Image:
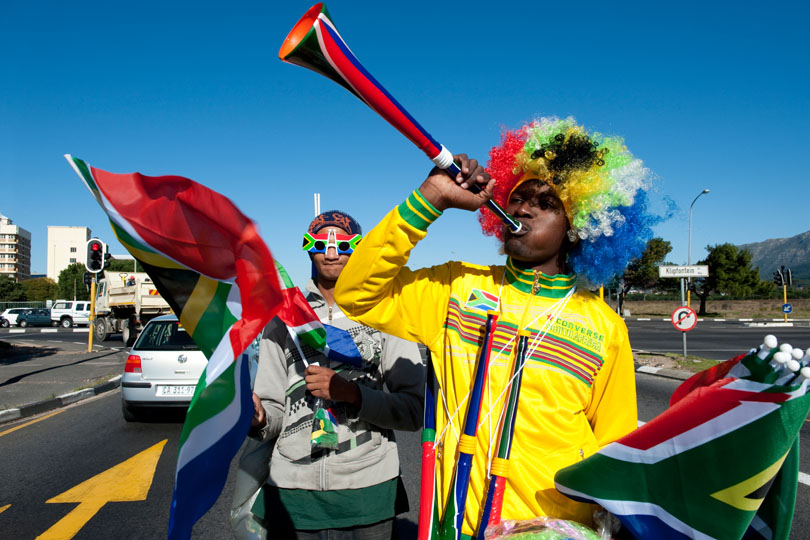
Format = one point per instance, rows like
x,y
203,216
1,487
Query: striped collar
x,y
538,283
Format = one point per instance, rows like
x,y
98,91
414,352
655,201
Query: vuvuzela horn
x,y
315,43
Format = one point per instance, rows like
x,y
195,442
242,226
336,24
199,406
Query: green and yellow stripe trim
x,y
418,212
546,286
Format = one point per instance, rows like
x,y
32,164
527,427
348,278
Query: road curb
x,y
39,407
665,372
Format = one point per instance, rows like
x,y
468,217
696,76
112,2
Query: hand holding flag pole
x,y
315,43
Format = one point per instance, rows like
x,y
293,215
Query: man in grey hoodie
x,y
352,490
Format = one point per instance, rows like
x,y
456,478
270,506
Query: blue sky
x,y
709,95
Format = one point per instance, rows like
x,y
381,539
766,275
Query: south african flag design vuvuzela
x,y
722,462
212,267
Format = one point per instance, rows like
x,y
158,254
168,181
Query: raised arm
x,y
377,289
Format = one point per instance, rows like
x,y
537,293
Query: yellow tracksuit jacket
x,y
578,391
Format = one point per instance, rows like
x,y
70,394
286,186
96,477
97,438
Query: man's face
x,y
330,264
542,215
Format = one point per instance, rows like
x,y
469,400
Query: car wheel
x,y
67,322
23,323
4,323
100,329
130,413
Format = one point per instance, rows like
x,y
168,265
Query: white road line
x,y
16,331
48,330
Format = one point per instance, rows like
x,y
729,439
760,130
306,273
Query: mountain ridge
x,y
793,253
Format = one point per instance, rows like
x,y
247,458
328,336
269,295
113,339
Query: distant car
x,y
162,368
34,317
66,313
9,317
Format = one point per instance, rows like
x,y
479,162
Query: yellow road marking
x,y
6,432
130,480
4,508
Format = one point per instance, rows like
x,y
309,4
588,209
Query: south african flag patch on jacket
x,y
483,300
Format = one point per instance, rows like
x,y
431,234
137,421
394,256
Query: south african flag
x,y
212,267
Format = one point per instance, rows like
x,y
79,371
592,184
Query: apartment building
x,y
15,250
66,245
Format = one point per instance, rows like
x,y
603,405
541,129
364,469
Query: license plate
x,y
175,390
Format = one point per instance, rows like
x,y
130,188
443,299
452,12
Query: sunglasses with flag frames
x,y
345,244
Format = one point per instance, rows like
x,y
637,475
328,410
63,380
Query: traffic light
x,y
789,278
779,278
95,256
106,257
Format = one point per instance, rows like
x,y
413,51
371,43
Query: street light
x,y
689,256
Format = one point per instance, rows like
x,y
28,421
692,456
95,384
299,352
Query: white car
x,y
9,317
66,313
162,368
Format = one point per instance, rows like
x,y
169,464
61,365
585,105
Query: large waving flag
x,y
722,462
209,262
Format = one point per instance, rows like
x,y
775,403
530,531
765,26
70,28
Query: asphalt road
x,y
711,339
82,445
72,447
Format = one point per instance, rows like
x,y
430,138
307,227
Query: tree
x,y
729,272
72,279
642,272
123,265
10,290
40,289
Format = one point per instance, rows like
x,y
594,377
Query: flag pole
x,y
453,516
427,493
499,471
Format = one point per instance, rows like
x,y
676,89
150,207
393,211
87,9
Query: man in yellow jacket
x,y
577,197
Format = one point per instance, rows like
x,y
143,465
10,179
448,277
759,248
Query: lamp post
x,y
689,255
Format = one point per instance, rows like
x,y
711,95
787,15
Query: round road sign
x,y
787,308
684,318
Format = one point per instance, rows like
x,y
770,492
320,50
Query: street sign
x,y
787,308
684,318
695,270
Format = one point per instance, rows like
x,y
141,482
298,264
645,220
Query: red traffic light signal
x,y
95,255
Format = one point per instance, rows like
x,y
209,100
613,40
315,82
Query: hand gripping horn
x,y
315,44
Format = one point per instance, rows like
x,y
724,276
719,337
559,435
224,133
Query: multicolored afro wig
x,y
601,185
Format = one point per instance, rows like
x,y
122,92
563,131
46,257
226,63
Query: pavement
x,y
35,379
